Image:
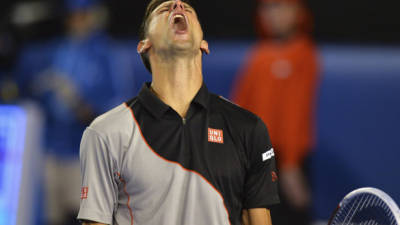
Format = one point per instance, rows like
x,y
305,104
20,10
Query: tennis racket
x,y
366,206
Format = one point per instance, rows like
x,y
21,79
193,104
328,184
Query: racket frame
x,y
379,193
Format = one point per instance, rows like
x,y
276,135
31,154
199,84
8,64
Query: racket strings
x,y
353,208
358,203
364,209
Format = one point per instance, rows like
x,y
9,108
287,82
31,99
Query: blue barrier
x,y
358,124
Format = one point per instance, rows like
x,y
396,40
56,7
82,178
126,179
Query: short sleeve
x,y
261,185
99,190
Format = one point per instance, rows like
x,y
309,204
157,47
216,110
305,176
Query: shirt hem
x,y
263,205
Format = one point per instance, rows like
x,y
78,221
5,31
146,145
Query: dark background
x,y
340,20
361,21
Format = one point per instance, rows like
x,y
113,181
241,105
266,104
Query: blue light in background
x,y
12,139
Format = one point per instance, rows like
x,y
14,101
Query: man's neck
x,y
176,81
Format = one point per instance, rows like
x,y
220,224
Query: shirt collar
x,y
202,96
157,107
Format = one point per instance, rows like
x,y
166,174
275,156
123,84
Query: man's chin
x,y
183,47
181,37
182,40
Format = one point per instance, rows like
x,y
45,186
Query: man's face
x,y
174,25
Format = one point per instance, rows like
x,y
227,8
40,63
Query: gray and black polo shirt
x,y
142,164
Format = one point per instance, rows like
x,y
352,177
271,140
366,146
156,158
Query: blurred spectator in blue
x,y
279,83
74,78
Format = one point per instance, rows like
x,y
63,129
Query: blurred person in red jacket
x,y
279,82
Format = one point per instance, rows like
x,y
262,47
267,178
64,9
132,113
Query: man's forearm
x,y
259,216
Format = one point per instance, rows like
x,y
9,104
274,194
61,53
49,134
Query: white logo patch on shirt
x,y
268,154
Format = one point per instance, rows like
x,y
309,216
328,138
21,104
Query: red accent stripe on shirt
x,y
127,204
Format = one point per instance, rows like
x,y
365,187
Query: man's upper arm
x,y
260,188
99,189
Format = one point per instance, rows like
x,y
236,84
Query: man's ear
x,y
143,46
204,47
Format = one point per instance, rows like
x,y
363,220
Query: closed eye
x,y
164,9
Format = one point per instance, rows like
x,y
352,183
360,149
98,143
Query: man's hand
x,y
259,216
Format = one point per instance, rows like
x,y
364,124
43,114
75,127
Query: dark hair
x,y
143,27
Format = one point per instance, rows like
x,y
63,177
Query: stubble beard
x,y
179,48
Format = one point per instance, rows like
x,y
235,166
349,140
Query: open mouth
x,y
179,23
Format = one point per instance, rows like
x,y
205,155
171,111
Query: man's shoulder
x,y
234,112
117,119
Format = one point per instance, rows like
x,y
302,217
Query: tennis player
x,y
176,154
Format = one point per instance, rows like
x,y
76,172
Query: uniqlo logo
x,y
84,192
215,135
